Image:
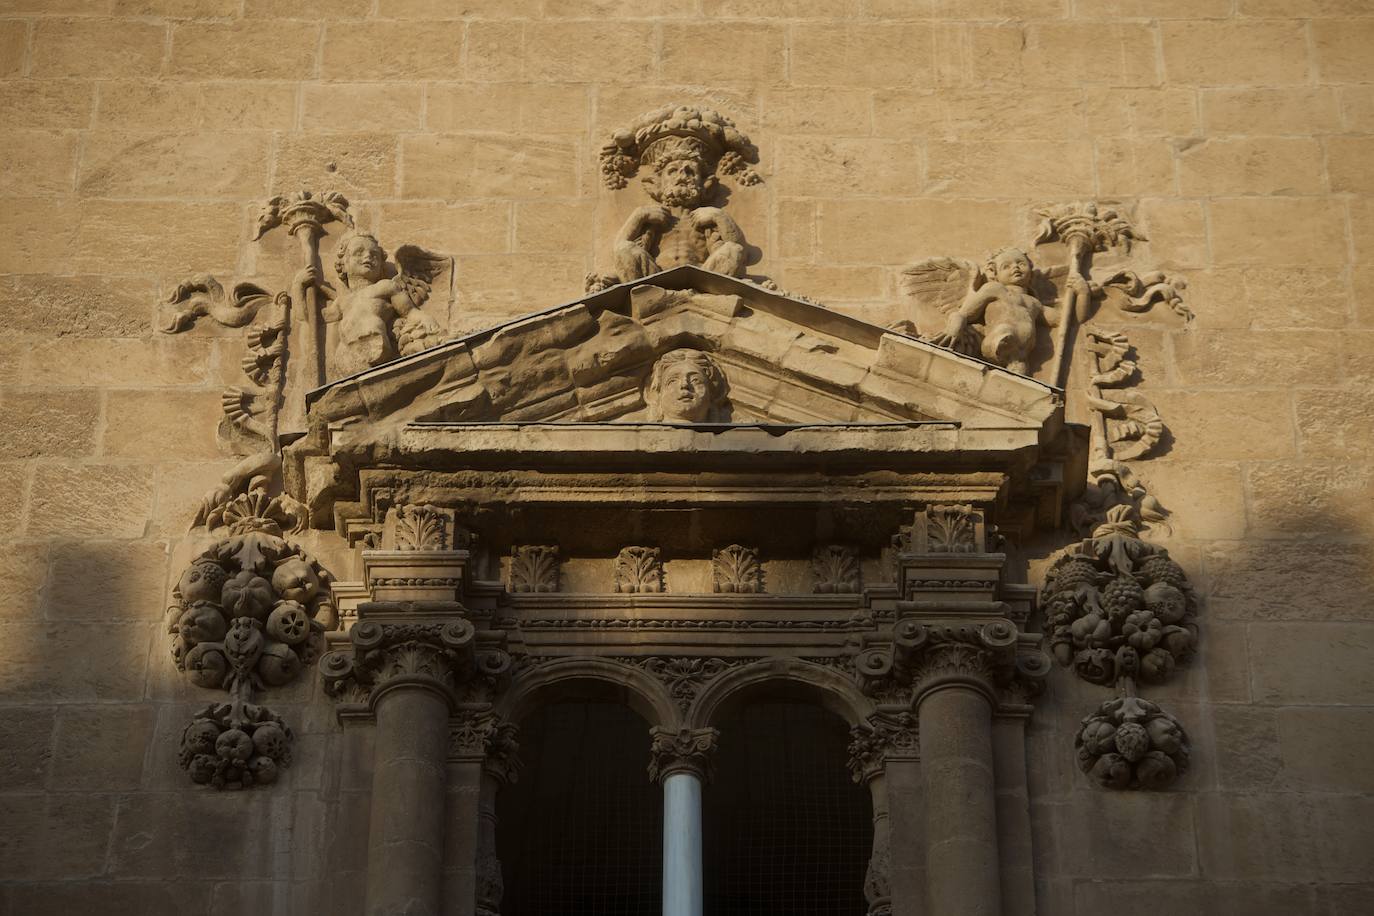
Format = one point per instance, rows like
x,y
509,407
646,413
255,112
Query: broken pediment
x,y
765,359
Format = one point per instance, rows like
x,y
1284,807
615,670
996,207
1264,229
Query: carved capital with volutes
x,y
389,656
687,750
976,655
882,737
490,738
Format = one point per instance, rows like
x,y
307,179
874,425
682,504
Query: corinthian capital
x,y
384,656
978,655
684,751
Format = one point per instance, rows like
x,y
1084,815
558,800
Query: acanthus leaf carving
x,y
736,570
638,569
836,570
882,735
684,676
943,529
422,527
533,568
440,656
685,750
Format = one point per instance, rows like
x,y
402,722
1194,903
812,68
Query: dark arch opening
x,y
786,830
581,832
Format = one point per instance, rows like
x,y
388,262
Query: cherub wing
x,y
416,269
942,282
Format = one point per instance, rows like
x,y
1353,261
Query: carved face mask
x,y
684,394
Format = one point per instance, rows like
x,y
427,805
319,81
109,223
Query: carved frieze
x,y
736,570
638,569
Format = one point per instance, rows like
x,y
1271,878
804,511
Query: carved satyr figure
x,y
686,386
683,149
991,311
377,316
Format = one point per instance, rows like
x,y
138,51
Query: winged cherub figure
x,y
377,316
991,312
682,150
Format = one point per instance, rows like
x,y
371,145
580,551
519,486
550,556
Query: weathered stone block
x,y
54,836
88,306
14,40
1334,423
126,238
1326,838
149,105
817,167
1349,161
1178,231
1277,580
1342,50
247,49
1229,52
1009,168
1297,663
157,424
478,227
563,52
1283,111
107,580
26,733
895,54
14,482
1247,748
98,48
101,748
1141,112
354,50
1314,232
1253,359
361,165
114,898
1273,165
1227,425
821,111
37,162
505,107
313,10
41,235
756,52
1134,167
1325,749
455,166
1125,835
47,424
1295,498
361,106
182,165
896,231
90,500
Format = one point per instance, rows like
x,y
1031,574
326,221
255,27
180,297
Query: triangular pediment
x,y
787,361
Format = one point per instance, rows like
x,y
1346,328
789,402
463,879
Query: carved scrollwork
x,y
736,570
533,569
435,655
686,750
638,569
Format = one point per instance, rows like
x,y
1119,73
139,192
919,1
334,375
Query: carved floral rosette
x,y
1130,743
235,745
247,614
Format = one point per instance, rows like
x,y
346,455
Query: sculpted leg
x,y
632,262
728,259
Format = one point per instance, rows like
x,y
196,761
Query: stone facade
x,y
1169,191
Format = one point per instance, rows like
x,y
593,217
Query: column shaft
x,y
406,836
960,799
682,881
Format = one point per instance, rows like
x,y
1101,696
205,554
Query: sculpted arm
x,y
644,221
725,228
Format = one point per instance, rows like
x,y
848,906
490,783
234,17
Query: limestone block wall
x,y
137,136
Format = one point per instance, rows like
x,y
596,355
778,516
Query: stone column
x,y
953,694
408,672
483,760
886,736
681,762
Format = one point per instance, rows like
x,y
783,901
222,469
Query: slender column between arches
x,y
682,872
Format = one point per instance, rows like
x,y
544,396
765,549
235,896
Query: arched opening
x,y
581,832
785,828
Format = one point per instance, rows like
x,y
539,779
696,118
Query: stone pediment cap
x,y
788,362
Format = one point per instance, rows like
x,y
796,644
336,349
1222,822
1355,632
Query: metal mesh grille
x,y
786,830
581,833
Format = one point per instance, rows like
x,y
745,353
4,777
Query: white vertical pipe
x,y
682,885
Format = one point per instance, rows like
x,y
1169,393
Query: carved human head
x,y
682,173
359,256
686,386
1010,267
